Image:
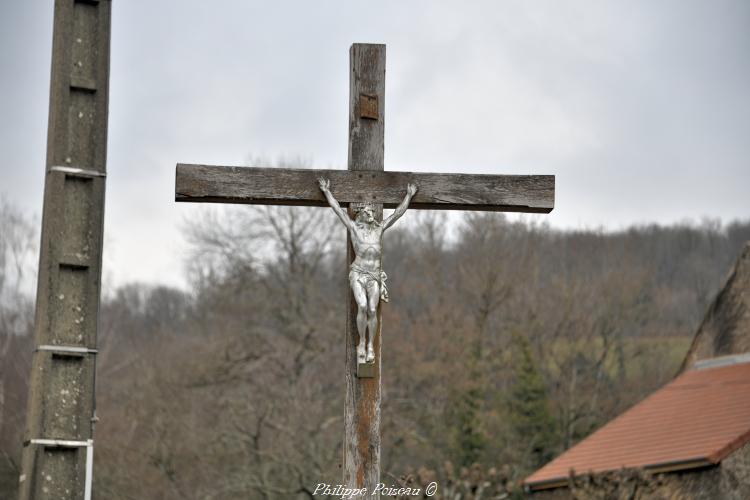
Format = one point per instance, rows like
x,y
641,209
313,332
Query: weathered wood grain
x,y
361,468
276,186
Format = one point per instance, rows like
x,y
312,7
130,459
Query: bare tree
x,y
17,256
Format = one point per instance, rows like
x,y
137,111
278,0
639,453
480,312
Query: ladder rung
x,y
76,172
85,84
63,443
74,261
67,350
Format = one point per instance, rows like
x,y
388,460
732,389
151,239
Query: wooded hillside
x,y
504,343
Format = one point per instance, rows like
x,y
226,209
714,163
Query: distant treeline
x,y
502,346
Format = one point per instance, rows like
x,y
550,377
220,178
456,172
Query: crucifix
x,y
365,189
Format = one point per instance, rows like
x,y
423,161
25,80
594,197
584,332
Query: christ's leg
x,y
373,299
360,297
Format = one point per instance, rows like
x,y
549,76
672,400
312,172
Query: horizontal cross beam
x,y
287,186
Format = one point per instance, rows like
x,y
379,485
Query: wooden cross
x,y
365,180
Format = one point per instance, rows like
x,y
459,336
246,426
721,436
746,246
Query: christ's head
x,y
364,212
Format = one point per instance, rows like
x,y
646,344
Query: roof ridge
x,y
721,361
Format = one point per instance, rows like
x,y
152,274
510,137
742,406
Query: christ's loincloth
x,y
364,277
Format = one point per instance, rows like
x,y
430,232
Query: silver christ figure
x,y
366,276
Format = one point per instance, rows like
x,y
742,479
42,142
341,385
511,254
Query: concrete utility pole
x,y
58,440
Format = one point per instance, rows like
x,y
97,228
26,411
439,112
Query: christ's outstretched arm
x,y
325,186
411,189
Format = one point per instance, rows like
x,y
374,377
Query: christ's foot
x,y
370,354
361,354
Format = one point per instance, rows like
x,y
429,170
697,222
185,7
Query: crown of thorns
x,y
358,207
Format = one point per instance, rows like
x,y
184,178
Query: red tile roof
x,y
696,420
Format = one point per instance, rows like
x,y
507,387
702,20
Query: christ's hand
x,y
325,184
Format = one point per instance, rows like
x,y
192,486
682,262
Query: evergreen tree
x,y
464,417
469,439
530,416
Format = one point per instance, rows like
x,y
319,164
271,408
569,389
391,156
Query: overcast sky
x,y
640,108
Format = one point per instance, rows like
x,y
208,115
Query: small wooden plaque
x,y
368,106
365,370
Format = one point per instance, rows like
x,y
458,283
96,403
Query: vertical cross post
x,y
366,133
58,439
